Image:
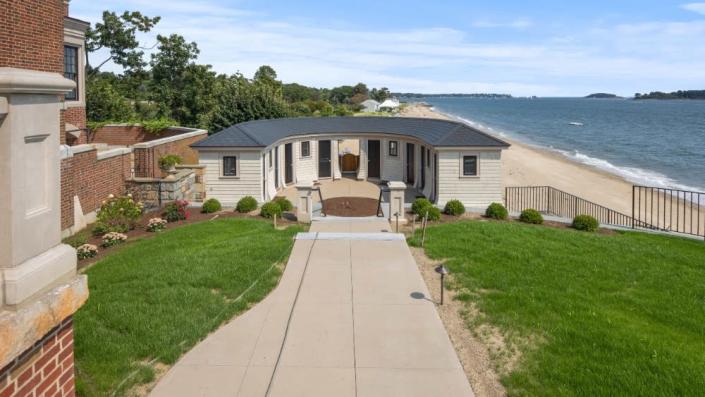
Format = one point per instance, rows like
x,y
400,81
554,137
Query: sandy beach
x,y
523,165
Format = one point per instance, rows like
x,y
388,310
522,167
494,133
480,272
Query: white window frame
x,y
74,38
237,165
301,150
389,148
462,168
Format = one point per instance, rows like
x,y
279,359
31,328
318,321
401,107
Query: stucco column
x,y
396,200
39,286
304,204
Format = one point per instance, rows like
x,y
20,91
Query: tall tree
x,y
118,34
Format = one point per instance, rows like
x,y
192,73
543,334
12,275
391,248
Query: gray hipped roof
x,y
262,133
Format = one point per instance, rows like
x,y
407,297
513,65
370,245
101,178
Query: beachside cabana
x,y
439,159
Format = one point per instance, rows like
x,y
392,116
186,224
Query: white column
x,y
396,200
362,171
304,205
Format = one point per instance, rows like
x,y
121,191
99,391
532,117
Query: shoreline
x,y
528,165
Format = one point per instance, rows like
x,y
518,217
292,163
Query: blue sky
x,y
544,48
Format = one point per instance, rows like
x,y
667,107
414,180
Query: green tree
x,y
380,95
118,34
104,102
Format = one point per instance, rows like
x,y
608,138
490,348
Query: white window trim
x,y
238,158
310,150
74,39
460,164
389,152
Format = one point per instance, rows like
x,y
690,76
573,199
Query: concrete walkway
x,y
350,317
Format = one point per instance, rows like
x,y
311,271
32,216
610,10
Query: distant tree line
x,y
688,94
171,85
417,95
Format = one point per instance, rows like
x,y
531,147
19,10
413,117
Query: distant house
x,y
389,105
370,105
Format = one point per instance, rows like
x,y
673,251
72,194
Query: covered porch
x,y
350,197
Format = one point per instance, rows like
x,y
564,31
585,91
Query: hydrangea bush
x,y
118,214
156,225
86,251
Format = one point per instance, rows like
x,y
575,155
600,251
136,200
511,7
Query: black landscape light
x,y
442,270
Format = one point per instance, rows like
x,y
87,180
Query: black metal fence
x,y
552,201
670,210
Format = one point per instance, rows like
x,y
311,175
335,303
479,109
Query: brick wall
x,y
147,160
92,180
126,135
45,369
32,34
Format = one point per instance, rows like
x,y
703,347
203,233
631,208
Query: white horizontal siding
x,y
476,192
229,190
306,168
392,167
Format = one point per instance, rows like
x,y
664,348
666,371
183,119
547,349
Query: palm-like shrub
x,y
454,207
246,204
496,211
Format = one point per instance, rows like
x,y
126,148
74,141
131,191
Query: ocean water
x,y
653,143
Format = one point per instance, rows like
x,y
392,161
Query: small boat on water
x,y
577,124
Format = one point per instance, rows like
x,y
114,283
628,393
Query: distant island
x,y
602,95
689,94
416,95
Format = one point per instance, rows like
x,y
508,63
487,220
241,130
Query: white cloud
x,y
694,7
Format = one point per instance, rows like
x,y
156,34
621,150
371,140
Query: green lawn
x,y
155,299
594,315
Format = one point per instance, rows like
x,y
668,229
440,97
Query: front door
x,y
324,159
276,167
410,163
373,159
288,164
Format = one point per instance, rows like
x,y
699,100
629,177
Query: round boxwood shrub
x,y
434,213
271,208
284,203
210,206
496,211
420,206
246,204
530,215
454,207
586,223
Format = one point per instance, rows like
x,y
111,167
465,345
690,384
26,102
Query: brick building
x,y
41,93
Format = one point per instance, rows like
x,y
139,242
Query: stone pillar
x,y
39,286
396,200
304,203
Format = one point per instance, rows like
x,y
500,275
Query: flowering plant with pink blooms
x,y
113,238
176,211
156,225
86,251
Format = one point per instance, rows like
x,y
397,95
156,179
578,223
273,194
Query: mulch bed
x,y
140,232
350,206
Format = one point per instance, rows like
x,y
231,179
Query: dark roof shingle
x,y
262,133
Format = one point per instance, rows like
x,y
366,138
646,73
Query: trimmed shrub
x,y
117,214
246,204
496,211
454,207
284,203
270,209
530,215
210,206
434,213
176,211
586,223
420,206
